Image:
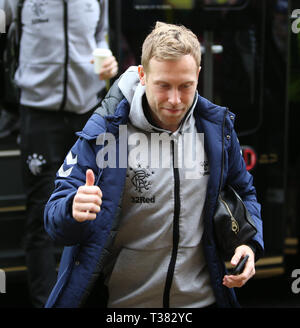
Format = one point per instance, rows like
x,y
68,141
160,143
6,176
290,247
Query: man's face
x,y
170,89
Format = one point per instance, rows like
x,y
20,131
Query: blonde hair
x,y
170,42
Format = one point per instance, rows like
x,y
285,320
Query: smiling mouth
x,y
172,110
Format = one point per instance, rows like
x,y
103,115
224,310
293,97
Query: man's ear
x,y
142,75
199,70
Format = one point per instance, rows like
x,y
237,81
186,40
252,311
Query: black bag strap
x,y
223,151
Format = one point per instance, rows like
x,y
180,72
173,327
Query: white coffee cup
x,y
99,55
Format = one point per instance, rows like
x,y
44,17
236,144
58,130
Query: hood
x,y
128,83
134,91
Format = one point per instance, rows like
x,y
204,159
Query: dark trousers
x,y
46,138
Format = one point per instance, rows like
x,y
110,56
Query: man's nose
x,y
174,97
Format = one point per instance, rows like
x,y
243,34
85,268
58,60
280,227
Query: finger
x,y
109,61
89,178
234,281
227,281
88,198
90,190
87,207
105,67
236,258
108,66
84,216
249,270
231,281
108,74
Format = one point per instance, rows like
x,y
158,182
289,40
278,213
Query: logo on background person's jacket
x,y
38,10
35,163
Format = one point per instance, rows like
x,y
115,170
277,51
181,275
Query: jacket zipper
x,y
234,225
64,99
170,273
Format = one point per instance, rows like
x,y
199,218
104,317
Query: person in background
x,y
59,90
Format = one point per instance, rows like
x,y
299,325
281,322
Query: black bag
x,y
232,223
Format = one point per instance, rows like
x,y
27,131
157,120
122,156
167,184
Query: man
x,y
136,207
58,91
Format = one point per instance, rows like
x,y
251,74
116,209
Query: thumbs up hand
x,y
88,199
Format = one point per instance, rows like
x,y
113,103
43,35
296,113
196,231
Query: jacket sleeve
x,y
242,181
58,220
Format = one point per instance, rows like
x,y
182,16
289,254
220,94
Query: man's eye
x,y
164,86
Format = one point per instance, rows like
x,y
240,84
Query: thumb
x,y
90,178
236,258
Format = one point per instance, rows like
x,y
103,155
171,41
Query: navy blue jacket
x,y
87,244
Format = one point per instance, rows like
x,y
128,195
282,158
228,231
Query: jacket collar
x,y
209,111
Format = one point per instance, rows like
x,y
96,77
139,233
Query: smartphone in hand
x,y
239,268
